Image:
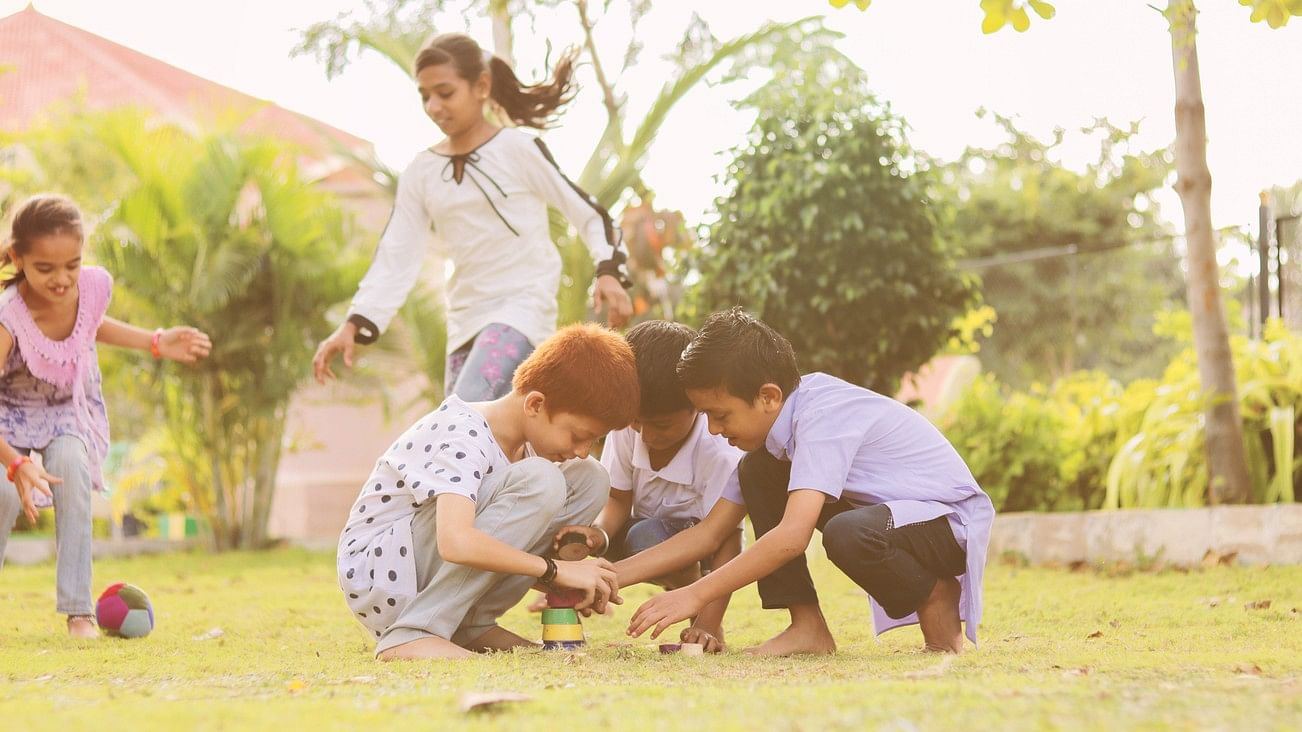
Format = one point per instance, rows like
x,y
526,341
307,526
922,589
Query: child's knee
x,y
585,474
753,468
539,482
66,457
587,478
848,540
643,535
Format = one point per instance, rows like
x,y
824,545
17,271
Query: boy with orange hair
x,y
451,528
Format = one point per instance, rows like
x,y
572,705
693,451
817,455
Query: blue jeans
x,y
66,458
642,534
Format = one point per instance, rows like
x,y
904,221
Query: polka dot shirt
x,y
449,450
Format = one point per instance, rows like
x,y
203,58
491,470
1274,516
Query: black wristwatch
x,y
549,575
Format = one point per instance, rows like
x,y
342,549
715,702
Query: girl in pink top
x,y
52,312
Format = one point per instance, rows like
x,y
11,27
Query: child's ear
x,y
534,402
769,398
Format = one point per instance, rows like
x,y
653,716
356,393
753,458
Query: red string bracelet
x,y
154,344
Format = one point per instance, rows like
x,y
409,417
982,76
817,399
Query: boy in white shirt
x,y
666,472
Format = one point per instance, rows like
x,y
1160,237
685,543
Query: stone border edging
x,y
1270,534
35,551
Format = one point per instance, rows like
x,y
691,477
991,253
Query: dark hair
x,y
528,105
657,346
740,353
38,216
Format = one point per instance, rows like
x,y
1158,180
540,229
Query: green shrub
x,y
1086,442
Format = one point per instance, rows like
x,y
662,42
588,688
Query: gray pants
x,y
65,457
524,507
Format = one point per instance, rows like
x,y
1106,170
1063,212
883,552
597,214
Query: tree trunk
x,y
268,464
1226,461
503,41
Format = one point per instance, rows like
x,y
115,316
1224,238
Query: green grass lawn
x,y
1060,649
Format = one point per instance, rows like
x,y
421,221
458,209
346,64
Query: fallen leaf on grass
x,y
1082,671
214,633
1258,605
1247,669
1213,559
483,701
1115,623
46,677
296,686
932,672
1095,634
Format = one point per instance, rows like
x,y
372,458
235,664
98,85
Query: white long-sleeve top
x,y
492,225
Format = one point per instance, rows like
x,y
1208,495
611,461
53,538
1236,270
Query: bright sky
x,y
1101,58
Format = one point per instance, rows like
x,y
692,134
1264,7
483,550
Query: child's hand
x,y
340,341
610,294
184,344
539,603
595,540
711,642
664,610
30,480
596,578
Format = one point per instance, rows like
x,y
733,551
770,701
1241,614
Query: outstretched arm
x,y
683,548
181,343
777,547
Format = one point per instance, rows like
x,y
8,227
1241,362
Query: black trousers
x,y
897,566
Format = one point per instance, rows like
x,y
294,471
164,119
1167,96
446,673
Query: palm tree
x,y
220,232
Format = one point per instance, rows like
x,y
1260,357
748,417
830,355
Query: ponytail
x,y
11,276
533,105
527,105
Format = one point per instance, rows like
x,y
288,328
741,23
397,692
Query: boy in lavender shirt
x,y
900,512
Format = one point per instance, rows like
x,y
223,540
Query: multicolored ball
x,y
124,611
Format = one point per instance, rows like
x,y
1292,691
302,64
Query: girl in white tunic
x,y
485,190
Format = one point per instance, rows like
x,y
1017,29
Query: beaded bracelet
x,y
18,462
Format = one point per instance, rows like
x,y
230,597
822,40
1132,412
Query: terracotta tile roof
x,y
50,61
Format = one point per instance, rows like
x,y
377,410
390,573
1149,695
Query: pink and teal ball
x,y
124,611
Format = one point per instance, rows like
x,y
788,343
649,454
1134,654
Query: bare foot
x,y
807,634
431,647
498,638
538,604
939,619
81,626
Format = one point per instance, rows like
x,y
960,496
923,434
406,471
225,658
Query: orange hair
x,y
584,369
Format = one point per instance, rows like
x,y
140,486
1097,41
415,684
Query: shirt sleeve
x,y
732,489
398,256
440,454
825,449
721,468
617,458
595,226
